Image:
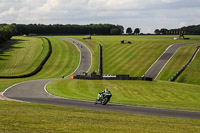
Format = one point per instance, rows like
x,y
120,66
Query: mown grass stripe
x,y
142,93
21,117
177,62
26,63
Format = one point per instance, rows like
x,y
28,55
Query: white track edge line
x,y
76,68
158,58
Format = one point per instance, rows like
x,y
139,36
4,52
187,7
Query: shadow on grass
x,y
2,55
8,46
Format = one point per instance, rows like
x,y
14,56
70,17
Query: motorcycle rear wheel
x,y
104,101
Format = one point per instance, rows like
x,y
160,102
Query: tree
x,y
137,31
121,29
163,31
115,31
157,31
129,30
6,32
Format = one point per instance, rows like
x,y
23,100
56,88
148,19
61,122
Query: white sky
x,y
145,14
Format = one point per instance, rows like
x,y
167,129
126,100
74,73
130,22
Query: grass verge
x,y
191,73
25,117
141,93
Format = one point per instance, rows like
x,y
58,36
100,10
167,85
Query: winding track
x,y
33,91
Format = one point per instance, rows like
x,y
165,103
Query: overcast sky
x,y
145,14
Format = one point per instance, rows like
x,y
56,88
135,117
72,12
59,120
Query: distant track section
x,y
38,69
160,63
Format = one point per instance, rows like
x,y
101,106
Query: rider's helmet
x,y
106,90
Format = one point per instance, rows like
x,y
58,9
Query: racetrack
x,y
33,91
160,63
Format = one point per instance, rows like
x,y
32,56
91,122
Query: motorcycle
x,y
103,98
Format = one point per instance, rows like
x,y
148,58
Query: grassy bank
x,y
177,62
140,93
192,72
25,117
133,59
63,61
22,55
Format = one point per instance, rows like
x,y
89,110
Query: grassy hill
x,y
22,55
63,61
192,73
133,59
141,93
177,62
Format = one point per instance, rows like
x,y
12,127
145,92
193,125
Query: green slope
x,y
177,62
22,55
63,61
133,59
191,75
140,93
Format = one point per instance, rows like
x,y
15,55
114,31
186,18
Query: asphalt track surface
x,y
160,63
33,91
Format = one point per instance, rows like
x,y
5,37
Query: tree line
x,y
189,30
6,32
69,29
130,31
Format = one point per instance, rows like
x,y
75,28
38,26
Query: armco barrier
x,y
38,68
184,67
118,77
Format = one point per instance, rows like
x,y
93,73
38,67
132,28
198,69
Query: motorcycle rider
x,y
101,94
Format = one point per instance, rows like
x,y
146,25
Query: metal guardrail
x,y
117,77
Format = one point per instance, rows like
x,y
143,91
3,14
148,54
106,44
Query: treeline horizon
x,y
9,30
69,29
189,30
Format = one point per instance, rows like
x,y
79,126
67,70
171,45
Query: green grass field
x,y
177,62
132,59
28,117
22,55
128,59
192,72
140,93
63,61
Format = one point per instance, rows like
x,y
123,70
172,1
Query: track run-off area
x,y
35,91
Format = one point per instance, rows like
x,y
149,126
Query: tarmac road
x,y
157,67
33,91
